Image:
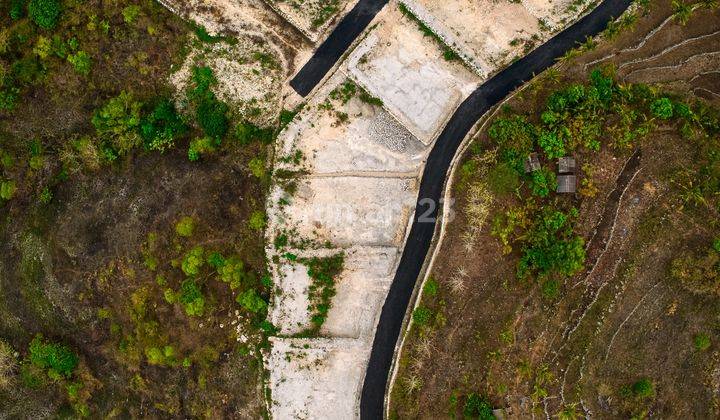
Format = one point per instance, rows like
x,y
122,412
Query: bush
x,y
17,9
662,108
211,115
643,388
117,122
200,146
185,227
7,189
81,62
478,407
251,301
552,144
431,287
543,182
257,167
514,136
550,289
130,13
421,315
232,271
162,126
193,261
58,359
503,179
191,298
702,342
257,220
45,13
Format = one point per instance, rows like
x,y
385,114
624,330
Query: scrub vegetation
x,y
603,301
133,279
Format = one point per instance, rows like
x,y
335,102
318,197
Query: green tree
x,y
191,298
543,182
185,227
117,122
478,407
81,62
251,301
514,136
702,342
58,359
552,144
45,13
193,261
162,126
662,108
421,315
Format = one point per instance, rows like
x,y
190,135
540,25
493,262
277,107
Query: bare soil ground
x,y
622,319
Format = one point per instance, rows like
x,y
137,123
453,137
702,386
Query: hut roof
x,y
532,163
566,165
567,183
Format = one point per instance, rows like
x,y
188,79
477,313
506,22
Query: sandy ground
x,y
403,67
488,34
308,16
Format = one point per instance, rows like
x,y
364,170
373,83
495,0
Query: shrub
x,y
543,182
211,115
643,388
431,287
232,271
702,342
7,189
257,167
503,179
421,315
191,298
257,220
478,407
662,108
45,13
514,136
246,132
7,364
17,9
58,359
185,227
81,62
162,126
552,144
251,301
117,121
193,261
200,146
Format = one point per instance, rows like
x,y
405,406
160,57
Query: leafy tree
x,y
185,227
191,298
17,9
200,146
193,261
81,62
543,182
251,301
421,315
232,271
162,126
662,108
431,287
514,136
7,189
478,407
552,144
45,13
117,122
212,117
57,358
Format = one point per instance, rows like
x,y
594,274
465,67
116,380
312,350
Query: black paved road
x,y
421,234
330,51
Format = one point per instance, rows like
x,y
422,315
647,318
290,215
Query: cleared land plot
x,y
311,17
397,64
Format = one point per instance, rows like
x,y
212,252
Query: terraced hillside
x,y
602,302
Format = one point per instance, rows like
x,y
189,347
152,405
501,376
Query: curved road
x,y
433,179
421,234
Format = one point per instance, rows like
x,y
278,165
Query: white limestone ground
x,y
488,34
399,64
311,17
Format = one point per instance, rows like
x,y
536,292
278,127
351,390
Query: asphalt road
x,y
421,234
330,51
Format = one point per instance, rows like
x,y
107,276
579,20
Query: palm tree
x,y
682,11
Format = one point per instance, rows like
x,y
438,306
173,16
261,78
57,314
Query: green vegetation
x,y
448,53
322,271
477,407
702,342
421,316
185,227
45,13
57,359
